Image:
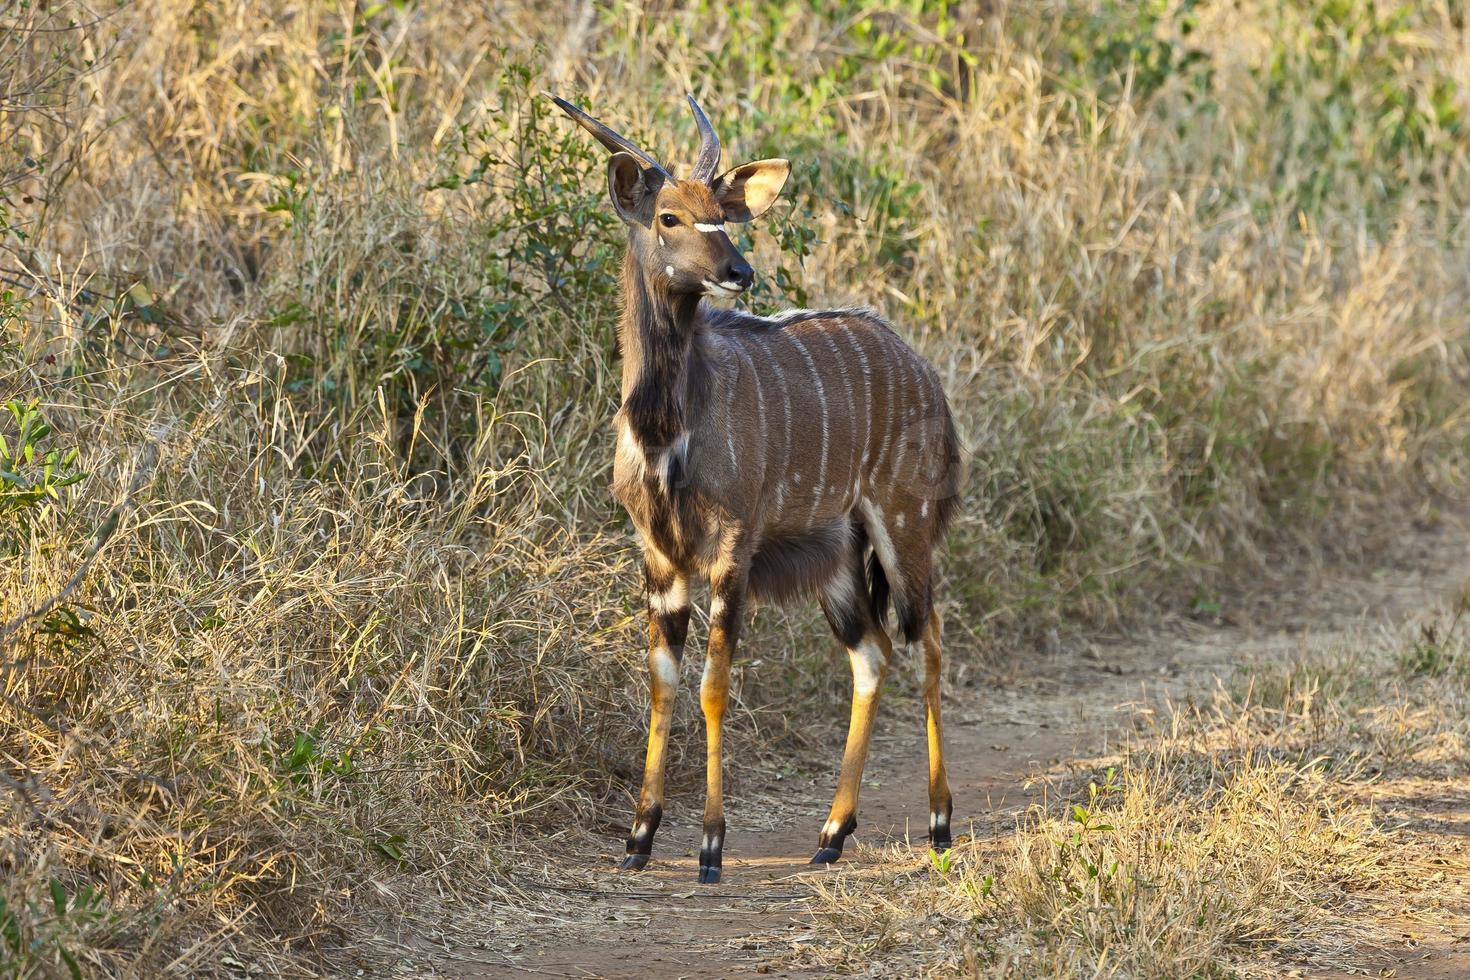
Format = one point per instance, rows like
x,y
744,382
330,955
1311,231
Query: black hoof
x,y
940,846
634,862
826,855
709,876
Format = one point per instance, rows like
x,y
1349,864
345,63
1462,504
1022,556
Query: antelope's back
x,y
848,416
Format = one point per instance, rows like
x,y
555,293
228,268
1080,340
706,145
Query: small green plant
x,y
941,861
33,475
1430,654
35,936
306,756
1080,850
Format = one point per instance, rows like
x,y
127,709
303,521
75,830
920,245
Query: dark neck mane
x,y
659,357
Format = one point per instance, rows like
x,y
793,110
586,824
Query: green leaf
x,y
58,896
388,847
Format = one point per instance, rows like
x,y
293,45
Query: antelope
x,y
808,453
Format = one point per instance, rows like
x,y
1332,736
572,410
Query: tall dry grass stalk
x,y
333,284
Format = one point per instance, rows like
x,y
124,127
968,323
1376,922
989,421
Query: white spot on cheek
x,y
668,270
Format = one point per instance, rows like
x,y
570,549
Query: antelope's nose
x,y
739,273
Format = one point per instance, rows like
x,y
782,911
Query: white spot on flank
x,y
796,478
867,668
708,228
665,668
898,521
924,509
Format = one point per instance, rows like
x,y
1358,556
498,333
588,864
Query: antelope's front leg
x,y
668,625
726,606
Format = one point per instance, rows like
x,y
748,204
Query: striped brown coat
x,y
809,453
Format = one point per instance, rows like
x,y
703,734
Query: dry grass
x,y
1265,832
329,292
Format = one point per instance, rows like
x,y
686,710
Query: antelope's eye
x,y
669,220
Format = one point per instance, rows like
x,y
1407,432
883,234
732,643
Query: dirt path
x,y
1070,705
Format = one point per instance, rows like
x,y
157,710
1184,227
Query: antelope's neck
x,y
657,334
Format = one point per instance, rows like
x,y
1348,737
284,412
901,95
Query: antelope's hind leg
x,y
846,606
668,625
941,805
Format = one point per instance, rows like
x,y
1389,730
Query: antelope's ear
x,y
747,191
632,188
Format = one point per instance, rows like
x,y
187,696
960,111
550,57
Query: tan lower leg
x,y
939,798
869,665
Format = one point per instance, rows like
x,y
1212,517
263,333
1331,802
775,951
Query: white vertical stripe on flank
x,y
821,400
847,386
910,381
760,394
780,376
890,420
862,451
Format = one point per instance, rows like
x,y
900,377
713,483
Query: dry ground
x,y
1018,748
